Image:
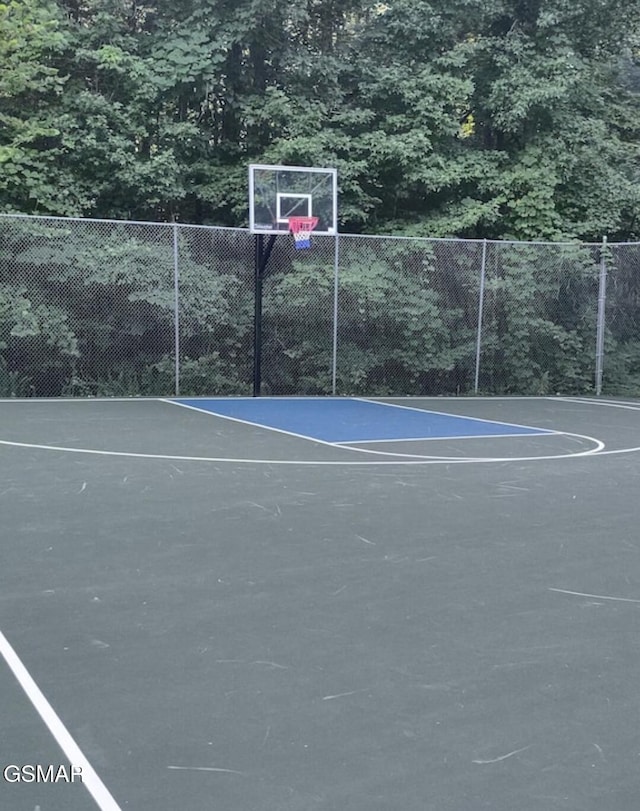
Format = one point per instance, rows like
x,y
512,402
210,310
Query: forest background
x,y
480,119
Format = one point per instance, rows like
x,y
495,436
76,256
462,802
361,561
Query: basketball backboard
x,y
279,192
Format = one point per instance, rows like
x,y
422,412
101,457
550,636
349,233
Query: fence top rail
x,y
567,243
398,237
11,216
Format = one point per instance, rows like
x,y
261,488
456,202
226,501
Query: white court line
x,y
452,398
242,421
543,432
348,444
619,451
599,446
93,400
399,459
396,458
460,416
596,596
90,779
610,403
232,459
447,438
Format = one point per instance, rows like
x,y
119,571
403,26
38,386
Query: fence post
x,y
334,360
176,308
602,298
483,271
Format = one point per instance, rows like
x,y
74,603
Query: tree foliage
x,y
445,117
497,119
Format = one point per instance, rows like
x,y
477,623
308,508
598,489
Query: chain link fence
x,y
103,308
621,322
298,316
407,315
538,333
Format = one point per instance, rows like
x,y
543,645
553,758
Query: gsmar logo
x,y
30,773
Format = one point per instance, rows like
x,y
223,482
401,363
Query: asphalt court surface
x,y
152,428
225,616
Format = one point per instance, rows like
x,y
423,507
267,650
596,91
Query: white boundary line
x,y
619,451
90,779
598,443
93,400
610,403
420,397
452,399
399,459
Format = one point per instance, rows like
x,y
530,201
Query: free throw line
x,y
90,779
445,438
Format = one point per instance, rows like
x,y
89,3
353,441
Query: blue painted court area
x,y
350,420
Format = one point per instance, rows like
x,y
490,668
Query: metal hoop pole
x,y
334,361
483,272
602,299
176,310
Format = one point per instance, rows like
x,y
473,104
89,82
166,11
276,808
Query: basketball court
x,y
292,604
319,603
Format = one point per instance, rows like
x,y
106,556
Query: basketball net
x,y
301,228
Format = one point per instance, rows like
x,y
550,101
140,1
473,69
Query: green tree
x,y
33,37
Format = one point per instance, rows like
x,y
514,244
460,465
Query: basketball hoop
x,y
301,228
